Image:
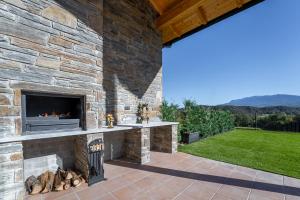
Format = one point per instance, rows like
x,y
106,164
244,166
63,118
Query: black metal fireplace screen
x,y
45,112
95,159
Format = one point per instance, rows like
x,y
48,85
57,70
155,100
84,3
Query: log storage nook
x,y
67,65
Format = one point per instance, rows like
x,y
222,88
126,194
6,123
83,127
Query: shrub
x,y
196,118
169,112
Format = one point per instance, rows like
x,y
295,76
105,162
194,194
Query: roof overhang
x,y
180,18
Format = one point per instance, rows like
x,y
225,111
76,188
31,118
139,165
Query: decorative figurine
x,y
110,120
142,113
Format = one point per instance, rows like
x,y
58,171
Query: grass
x,y
277,152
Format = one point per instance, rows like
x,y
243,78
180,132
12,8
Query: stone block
x,y
3,84
17,3
10,148
6,121
16,156
60,15
48,63
4,158
60,41
47,88
9,111
17,56
38,26
28,15
5,99
7,177
18,126
91,120
17,97
8,64
7,15
64,29
11,165
21,31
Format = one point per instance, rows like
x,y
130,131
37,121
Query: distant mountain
x,y
267,101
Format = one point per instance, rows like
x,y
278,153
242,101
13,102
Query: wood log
x,y
68,175
33,185
36,189
67,184
50,181
60,187
57,179
43,178
75,178
46,180
82,180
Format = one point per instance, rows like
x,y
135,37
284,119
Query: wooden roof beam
x,y
173,13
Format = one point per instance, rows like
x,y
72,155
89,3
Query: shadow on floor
x,y
288,190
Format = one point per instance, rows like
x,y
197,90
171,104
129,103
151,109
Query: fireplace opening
x,y
45,112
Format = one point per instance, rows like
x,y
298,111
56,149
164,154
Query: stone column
x,y
11,168
145,148
164,139
137,145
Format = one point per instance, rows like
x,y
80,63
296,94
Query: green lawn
x,y
277,152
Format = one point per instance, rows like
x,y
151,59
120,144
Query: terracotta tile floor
x,y
185,177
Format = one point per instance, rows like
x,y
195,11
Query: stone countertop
x,y
119,127
47,135
149,125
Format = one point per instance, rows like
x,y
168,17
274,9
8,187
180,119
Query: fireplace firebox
x,y
52,112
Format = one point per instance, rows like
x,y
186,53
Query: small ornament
x,y
110,120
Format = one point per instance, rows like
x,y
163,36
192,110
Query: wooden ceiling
x,y
177,18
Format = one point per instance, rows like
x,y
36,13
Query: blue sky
x,y
256,52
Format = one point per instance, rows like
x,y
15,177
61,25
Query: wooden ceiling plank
x,y
156,7
175,30
239,3
202,15
170,15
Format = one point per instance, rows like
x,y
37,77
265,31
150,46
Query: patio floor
x,y
182,177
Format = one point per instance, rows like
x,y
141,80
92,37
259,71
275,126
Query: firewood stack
x,y
48,181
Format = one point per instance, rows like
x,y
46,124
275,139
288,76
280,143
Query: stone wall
x,y
110,52
164,139
131,58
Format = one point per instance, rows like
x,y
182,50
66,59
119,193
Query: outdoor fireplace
x,y
52,112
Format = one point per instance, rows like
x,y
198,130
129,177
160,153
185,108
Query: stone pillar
x,y
137,145
81,155
164,139
145,148
11,168
174,138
